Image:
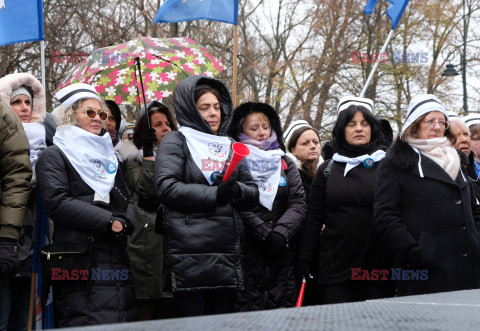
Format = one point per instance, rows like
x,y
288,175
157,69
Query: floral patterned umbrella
x,y
164,62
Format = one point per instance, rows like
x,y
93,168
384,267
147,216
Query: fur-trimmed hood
x,y
404,158
242,111
13,81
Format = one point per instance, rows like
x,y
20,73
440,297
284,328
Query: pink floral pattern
x,y
164,62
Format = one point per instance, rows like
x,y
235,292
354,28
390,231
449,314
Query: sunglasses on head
x,y
91,113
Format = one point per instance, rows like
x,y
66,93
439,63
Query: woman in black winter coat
x,y
342,204
424,205
272,225
88,201
202,228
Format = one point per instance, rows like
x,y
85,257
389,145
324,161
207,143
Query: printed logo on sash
x,y
265,167
209,152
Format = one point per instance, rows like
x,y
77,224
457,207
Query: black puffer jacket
x,y
429,223
472,175
271,284
202,239
68,201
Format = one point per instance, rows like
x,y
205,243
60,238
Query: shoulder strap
x,y
284,164
326,171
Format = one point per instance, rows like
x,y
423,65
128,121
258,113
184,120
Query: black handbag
x,y
67,261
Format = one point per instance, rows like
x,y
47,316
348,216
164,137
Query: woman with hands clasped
x,y
273,224
90,206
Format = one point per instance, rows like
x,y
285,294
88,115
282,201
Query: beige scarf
x,y
441,151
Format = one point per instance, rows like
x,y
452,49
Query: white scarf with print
x,y
352,162
92,157
266,167
209,152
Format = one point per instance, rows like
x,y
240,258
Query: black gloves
x,y
274,243
9,263
302,269
126,230
227,191
148,138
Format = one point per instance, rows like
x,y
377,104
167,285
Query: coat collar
x,y
404,158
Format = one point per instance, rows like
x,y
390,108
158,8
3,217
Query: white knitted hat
x,y
71,93
422,104
471,119
347,101
295,125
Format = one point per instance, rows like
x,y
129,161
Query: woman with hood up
x,y
273,223
201,225
340,210
27,99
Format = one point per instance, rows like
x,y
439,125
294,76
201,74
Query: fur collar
x,y
405,158
13,81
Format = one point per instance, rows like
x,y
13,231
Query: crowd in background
x,y
150,204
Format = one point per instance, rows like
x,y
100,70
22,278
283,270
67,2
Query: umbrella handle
x,y
137,61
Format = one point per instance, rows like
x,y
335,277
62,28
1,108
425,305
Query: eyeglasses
x,y
442,123
91,113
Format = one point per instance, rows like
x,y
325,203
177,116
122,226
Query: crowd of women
x,y
148,205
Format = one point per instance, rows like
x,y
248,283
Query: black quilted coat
x,y
270,283
68,201
202,239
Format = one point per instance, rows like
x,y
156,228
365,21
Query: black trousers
x,y
356,290
203,303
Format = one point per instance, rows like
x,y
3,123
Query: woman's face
x,y
432,126
475,144
209,107
161,125
92,125
307,147
22,106
462,139
358,131
257,127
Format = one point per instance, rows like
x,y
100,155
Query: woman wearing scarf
x,y
145,247
424,205
272,225
341,202
473,123
27,99
201,225
88,201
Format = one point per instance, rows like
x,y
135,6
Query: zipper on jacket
x,y
142,230
48,254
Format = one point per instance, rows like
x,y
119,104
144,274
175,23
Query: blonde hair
x,y
65,115
259,114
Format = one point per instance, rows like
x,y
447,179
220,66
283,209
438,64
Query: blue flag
x,y
43,314
20,21
173,11
394,11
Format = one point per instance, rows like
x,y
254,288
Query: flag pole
x,y
370,77
42,63
235,45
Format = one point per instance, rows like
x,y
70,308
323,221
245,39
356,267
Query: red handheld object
x,y
300,295
239,152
